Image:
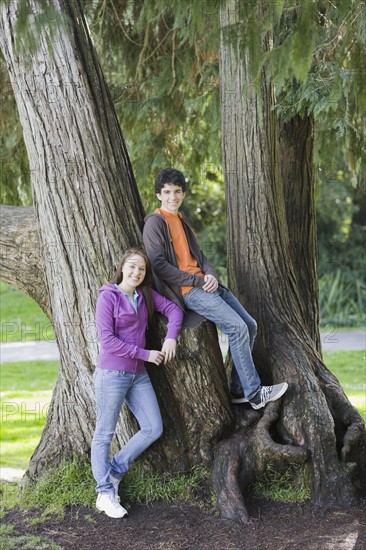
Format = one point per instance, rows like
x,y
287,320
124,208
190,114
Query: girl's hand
x,y
156,357
169,349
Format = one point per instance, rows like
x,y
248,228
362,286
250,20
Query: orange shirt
x,y
186,262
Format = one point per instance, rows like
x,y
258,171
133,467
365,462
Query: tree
x,y
272,268
87,210
161,62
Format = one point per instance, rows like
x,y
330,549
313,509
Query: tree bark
x,y
272,269
296,138
88,211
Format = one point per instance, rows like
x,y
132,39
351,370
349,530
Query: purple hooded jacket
x,y
122,333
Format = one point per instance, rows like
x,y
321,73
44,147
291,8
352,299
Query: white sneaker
x,y
107,502
267,394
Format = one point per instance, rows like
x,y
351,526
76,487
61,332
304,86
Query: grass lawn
x,y
22,320
27,389
350,369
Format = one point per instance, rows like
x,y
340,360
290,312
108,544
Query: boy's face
x,y
171,197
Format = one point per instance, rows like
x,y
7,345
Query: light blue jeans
x,y
112,388
233,320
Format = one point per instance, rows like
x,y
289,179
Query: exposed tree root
x,y
244,456
349,427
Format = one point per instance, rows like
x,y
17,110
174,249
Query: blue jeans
x,y
112,388
233,320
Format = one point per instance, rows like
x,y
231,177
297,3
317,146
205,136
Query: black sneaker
x,y
238,398
267,394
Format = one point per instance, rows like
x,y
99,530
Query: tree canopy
x,y
162,65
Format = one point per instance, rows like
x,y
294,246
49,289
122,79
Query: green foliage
x,y
326,42
31,20
14,171
335,204
165,82
162,66
314,55
22,320
289,485
341,208
342,299
204,202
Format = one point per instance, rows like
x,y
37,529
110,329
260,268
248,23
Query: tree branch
x,y
20,261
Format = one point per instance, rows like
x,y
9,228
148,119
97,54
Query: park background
x,y
188,131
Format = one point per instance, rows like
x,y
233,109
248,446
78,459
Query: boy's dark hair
x,y
169,175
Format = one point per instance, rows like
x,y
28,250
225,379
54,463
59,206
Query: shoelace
x,y
266,392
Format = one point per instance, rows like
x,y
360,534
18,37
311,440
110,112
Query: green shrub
x,y
342,299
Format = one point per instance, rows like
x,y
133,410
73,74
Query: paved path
x,y
28,351
47,351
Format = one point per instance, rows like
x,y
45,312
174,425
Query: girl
x,y
124,309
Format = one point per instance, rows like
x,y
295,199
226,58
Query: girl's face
x,y
133,271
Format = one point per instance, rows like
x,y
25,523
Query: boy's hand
x,y
211,283
169,349
156,357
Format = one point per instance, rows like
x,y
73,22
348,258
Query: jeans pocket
x,y
188,296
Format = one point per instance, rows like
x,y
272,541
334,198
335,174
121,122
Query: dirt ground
x,y
163,526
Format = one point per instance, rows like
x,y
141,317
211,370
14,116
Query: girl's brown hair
x,y
145,286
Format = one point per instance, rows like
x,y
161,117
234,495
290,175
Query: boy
x,y
183,274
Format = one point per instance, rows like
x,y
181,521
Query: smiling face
x,y
171,197
133,272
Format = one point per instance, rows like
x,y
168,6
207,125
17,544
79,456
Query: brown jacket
x,y
168,278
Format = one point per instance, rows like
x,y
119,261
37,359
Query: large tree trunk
x,y
272,269
87,211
